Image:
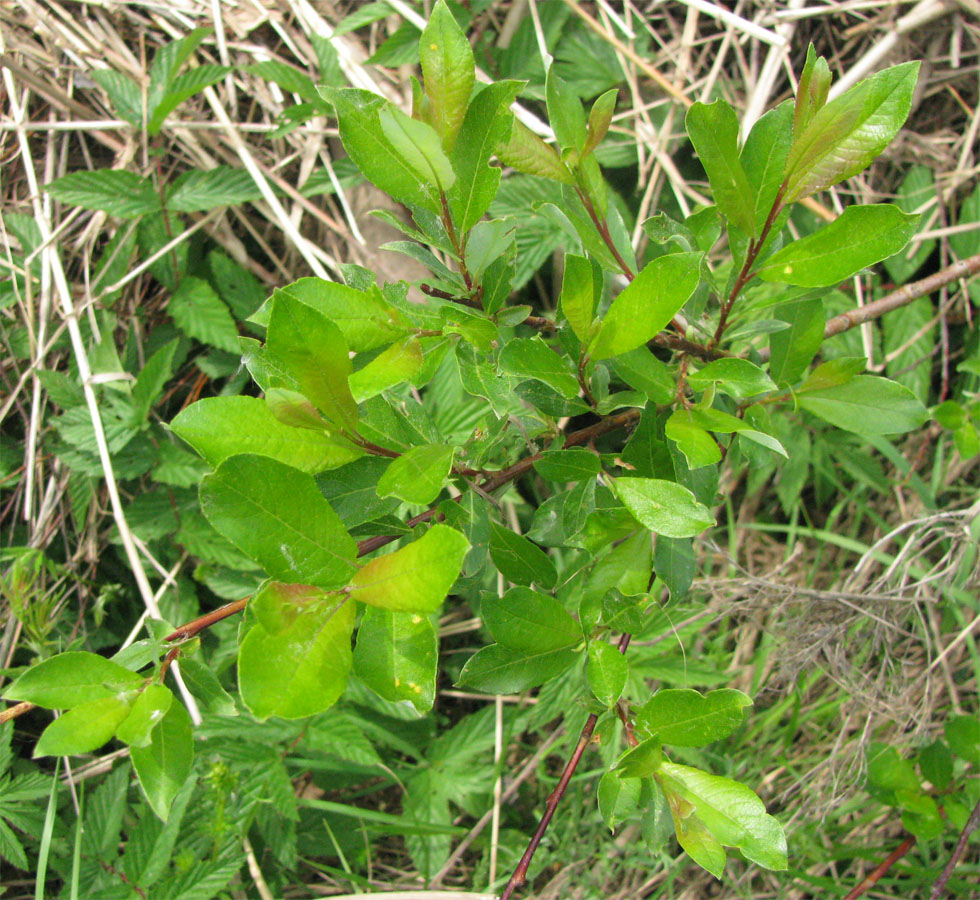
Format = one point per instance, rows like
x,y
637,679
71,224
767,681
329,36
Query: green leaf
x,y
314,351
647,304
528,622
365,318
448,69
692,834
416,577
301,670
793,348
163,767
533,358
82,729
963,734
600,117
626,568
487,123
888,771
811,95
418,475
713,129
180,89
124,93
399,363
683,421
674,563
200,313
526,152
219,427
578,295
276,515
607,672
114,191
358,113
618,798
664,507
867,405
500,670
70,679
519,560
699,448
687,718
574,464
732,813
488,241
936,765
738,378
642,370
207,690
834,372
418,144
764,158
844,136
918,187
352,491
199,190
641,761
859,237
396,656
147,712
565,113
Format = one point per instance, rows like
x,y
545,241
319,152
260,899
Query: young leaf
x,y
812,92
527,621
147,711
647,304
867,405
738,378
182,87
764,158
207,690
533,358
448,70
578,295
219,427
565,113
398,364
396,656
358,113
730,811
82,729
793,348
526,152
519,560
844,136
664,507
314,351
692,834
70,679
302,670
599,118
418,144
607,672
418,475
114,191
163,767
500,670
618,798
859,237
641,761
276,515
713,130
687,718
416,577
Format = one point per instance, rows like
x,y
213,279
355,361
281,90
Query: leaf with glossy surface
x,y
618,798
664,507
70,679
526,152
578,295
148,709
448,69
398,364
519,560
528,621
867,404
82,729
396,656
416,577
738,378
164,765
533,358
418,144
844,136
352,491
573,464
764,158
713,129
700,449
314,351
859,237
219,427
418,475
647,304
641,761
607,672
301,670
500,670
276,515
793,348
687,718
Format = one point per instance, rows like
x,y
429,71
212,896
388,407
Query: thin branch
x,y
971,825
879,871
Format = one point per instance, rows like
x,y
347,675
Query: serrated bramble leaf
x,y
117,192
70,679
664,507
200,313
276,515
181,88
198,190
416,577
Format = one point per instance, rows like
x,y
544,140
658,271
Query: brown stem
x,y
939,887
520,873
186,632
603,230
14,711
447,223
879,871
963,268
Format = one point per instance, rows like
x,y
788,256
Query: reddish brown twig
x,y
879,871
971,825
